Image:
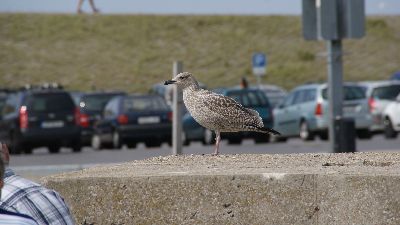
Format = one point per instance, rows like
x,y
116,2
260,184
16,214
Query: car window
x,y
137,104
2,103
53,102
250,98
95,102
111,108
237,97
289,99
350,93
309,95
298,97
387,92
10,105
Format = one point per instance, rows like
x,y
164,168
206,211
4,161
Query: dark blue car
x,y
131,119
91,106
249,98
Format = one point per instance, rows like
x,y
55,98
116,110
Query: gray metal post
x,y
335,91
177,101
258,81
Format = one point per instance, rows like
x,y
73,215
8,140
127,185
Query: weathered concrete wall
x,y
361,188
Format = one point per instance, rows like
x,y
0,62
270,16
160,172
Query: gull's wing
x,y
227,108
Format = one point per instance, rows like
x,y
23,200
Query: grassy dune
x,y
132,52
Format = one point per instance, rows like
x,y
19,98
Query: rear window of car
x,y
95,102
50,102
138,104
250,98
386,92
350,93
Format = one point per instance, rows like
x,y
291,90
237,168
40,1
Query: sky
x,y
248,7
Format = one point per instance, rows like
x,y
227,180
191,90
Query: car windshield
x,y
95,102
250,98
350,93
53,102
138,104
387,92
2,102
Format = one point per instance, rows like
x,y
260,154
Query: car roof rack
x,y
44,86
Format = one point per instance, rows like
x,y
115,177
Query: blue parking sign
x,y
259,61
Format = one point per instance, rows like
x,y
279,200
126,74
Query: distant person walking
x,y
80,3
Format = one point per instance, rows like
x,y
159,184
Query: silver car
x,y
379,95
304,112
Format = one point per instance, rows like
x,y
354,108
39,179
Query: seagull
x,y
217,112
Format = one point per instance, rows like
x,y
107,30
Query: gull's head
x,y
183,80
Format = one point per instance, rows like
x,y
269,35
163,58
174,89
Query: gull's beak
x,y
169,82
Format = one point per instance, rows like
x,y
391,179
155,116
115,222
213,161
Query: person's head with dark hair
x,y
243,82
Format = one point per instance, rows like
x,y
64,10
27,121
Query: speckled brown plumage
x,y
217,112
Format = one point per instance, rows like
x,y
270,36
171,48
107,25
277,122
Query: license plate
x,y
351,109
52,124
148,119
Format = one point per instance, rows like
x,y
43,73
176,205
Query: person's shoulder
x,y
8,217
15,183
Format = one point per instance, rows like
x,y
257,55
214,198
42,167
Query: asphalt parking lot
x,y
42,163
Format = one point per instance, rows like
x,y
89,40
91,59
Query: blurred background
x,y
82,84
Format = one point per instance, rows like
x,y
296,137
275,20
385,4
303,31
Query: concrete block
x,y
360,188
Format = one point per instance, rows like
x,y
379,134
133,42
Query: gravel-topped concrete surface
x,y
353,188
385,163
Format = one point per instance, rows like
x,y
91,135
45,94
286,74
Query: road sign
x,y
259,61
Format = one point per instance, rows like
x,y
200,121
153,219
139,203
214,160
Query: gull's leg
x,y
217,140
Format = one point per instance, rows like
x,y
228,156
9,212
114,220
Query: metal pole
x,y
335,92
177,101
258,80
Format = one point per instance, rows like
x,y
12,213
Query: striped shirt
x,y
12,218
24,196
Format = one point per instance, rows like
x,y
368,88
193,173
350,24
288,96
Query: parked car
x,y
380,94
39,118
391,119
274,93
3,98
248,97
91,106
395,76
130,119
304,112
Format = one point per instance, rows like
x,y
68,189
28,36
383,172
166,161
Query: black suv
x,y
40,118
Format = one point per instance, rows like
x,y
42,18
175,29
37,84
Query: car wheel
x,y
276,139
117,144
28,150
324,136
234,141
364,134
152,144
185,141
305,133
389,131
77,147
54,148
208,137
262,138
16,145
131,145
96,142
